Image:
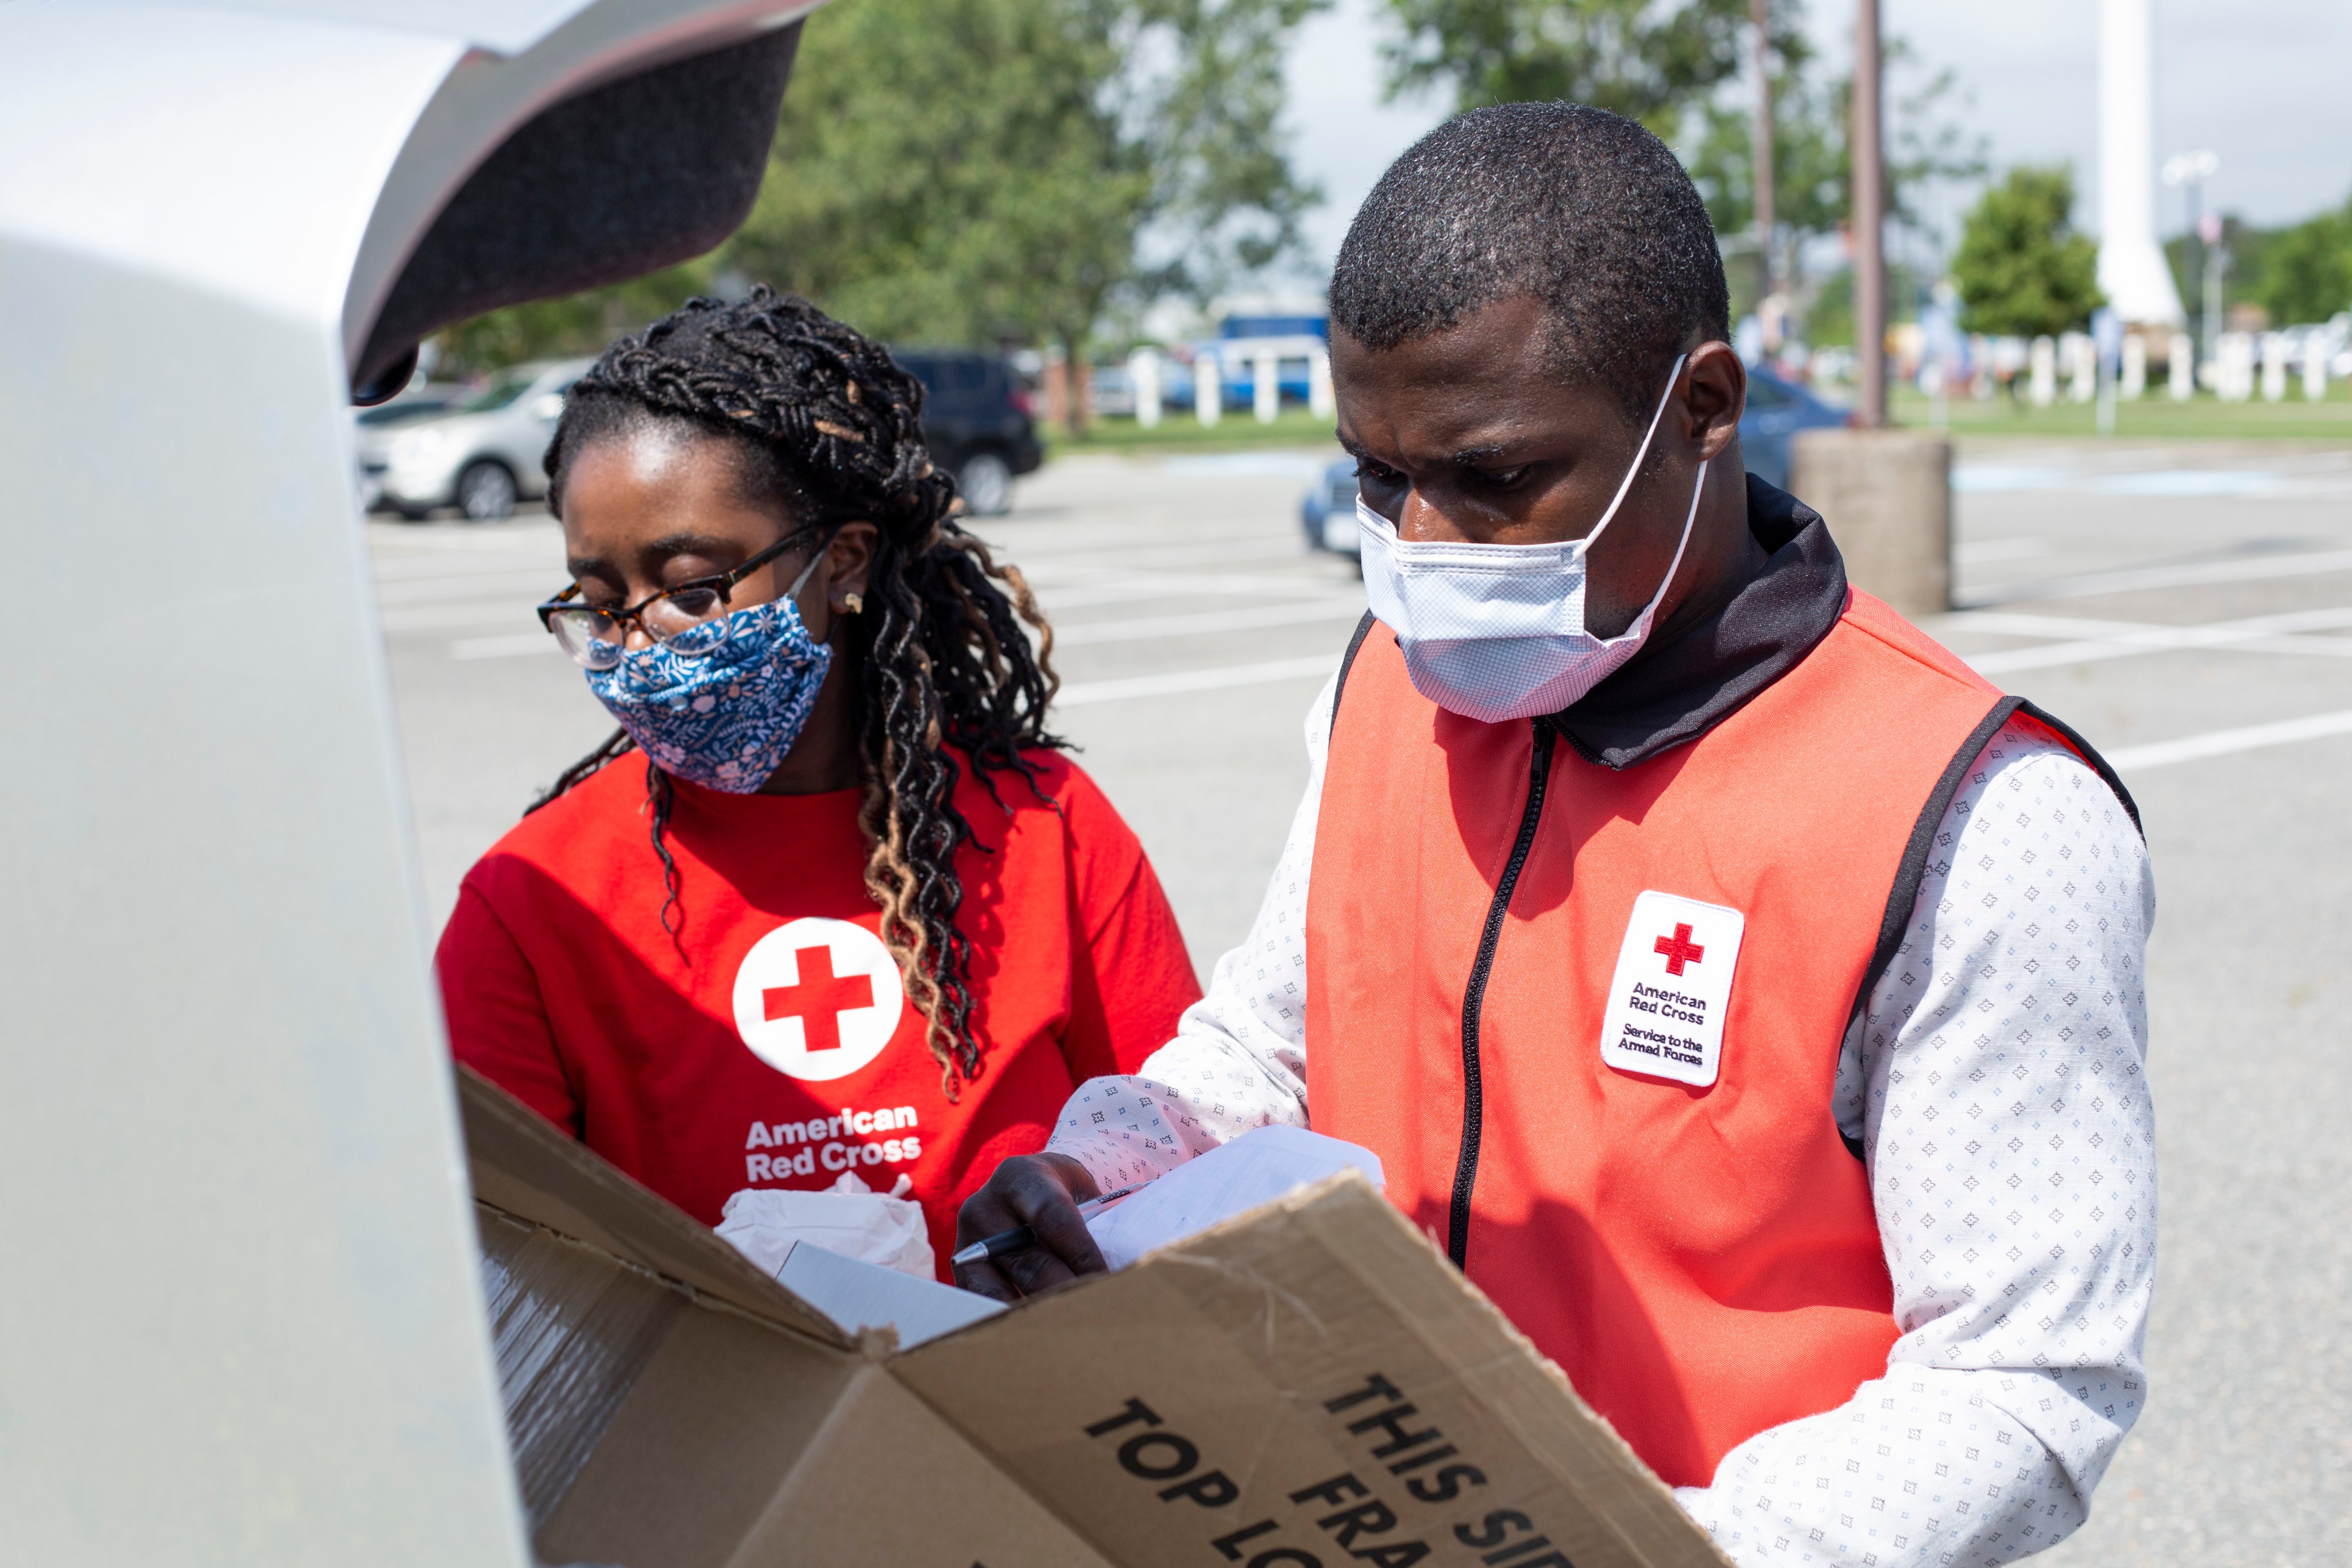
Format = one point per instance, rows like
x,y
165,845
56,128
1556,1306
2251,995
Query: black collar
x,y
1678,691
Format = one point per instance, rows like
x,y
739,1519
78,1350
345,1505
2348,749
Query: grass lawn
x,y
2155,417
1180,433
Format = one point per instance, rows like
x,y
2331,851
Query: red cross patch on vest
x,y
1672,990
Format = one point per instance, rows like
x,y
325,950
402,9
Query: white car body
x,y
244,1314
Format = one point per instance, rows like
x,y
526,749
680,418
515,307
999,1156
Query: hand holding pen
x,y
1022,1236
1025,1230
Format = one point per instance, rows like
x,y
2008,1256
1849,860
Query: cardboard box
x,y
1310,1385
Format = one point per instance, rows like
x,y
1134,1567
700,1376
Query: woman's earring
x,y
855,602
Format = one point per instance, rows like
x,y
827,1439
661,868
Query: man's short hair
x,y
1583,209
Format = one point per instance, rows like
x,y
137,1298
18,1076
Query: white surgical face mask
x,y
1498,631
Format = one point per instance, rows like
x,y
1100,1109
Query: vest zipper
x,y
1473,999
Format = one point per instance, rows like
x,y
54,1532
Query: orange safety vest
x,y
1702,1262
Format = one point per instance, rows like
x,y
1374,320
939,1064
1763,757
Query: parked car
x,y
481,454
1328,511
422,403
1776,411
976,421
1110,393
373,432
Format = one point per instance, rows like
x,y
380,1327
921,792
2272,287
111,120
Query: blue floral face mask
x,y
720,704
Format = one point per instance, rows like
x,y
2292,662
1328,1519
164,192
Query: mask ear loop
x,y
1641,621
806,572
793,594
1635,470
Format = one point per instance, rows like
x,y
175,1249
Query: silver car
x,y
373,428
482,456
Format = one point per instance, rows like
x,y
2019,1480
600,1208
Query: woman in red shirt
x,y
854,911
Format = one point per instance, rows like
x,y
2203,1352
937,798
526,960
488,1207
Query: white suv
x,y
481,457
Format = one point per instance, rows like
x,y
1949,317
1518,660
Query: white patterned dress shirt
x,y
1999,1092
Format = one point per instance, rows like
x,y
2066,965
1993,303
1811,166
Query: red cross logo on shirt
x,y
821,997
1678,948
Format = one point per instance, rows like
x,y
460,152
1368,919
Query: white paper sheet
x,y
864,1295
1233,1178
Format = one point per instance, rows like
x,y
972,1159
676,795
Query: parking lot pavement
x,y
2188,608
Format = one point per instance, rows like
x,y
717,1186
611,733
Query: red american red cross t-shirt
x,y
772,1044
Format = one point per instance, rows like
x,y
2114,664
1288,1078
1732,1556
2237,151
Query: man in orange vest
x,y
1745,994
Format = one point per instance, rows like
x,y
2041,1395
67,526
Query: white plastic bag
x,y
848,1217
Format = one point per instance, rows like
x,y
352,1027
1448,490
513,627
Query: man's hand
x,y
1043,1192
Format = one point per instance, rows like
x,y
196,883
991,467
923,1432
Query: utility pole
x,y
2192,170
2212,230
1766,220
1890,490
1869,219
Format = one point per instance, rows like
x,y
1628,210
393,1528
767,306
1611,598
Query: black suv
x,y
976,421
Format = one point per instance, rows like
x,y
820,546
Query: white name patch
x,y
1672,988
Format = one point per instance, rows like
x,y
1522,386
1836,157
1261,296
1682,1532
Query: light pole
x,y
2210,231
1765,219
2192,170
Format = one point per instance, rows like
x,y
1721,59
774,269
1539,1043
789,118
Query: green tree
x,y
575,324
2020,268
1812,164
953,171
1640,58
982,171
971,168
2305,271
1809,168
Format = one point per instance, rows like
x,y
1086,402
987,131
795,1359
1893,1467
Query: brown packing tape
x,y
1282,1391
572,1328
711,1432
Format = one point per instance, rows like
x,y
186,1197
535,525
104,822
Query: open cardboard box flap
x,y
1310,1386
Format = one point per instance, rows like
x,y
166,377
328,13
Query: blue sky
x,y
2267,83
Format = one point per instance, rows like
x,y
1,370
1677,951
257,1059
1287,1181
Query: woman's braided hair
x,y
821,421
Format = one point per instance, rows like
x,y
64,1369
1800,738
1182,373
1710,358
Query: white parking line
x,y
1211,550
1128,587
455,614
503,647
2192,575
524,580
1146,628
2173,483
2222,742
1319,665
1977,551
401,543
2101,639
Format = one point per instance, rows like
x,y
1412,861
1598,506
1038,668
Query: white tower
x,y
2132,270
